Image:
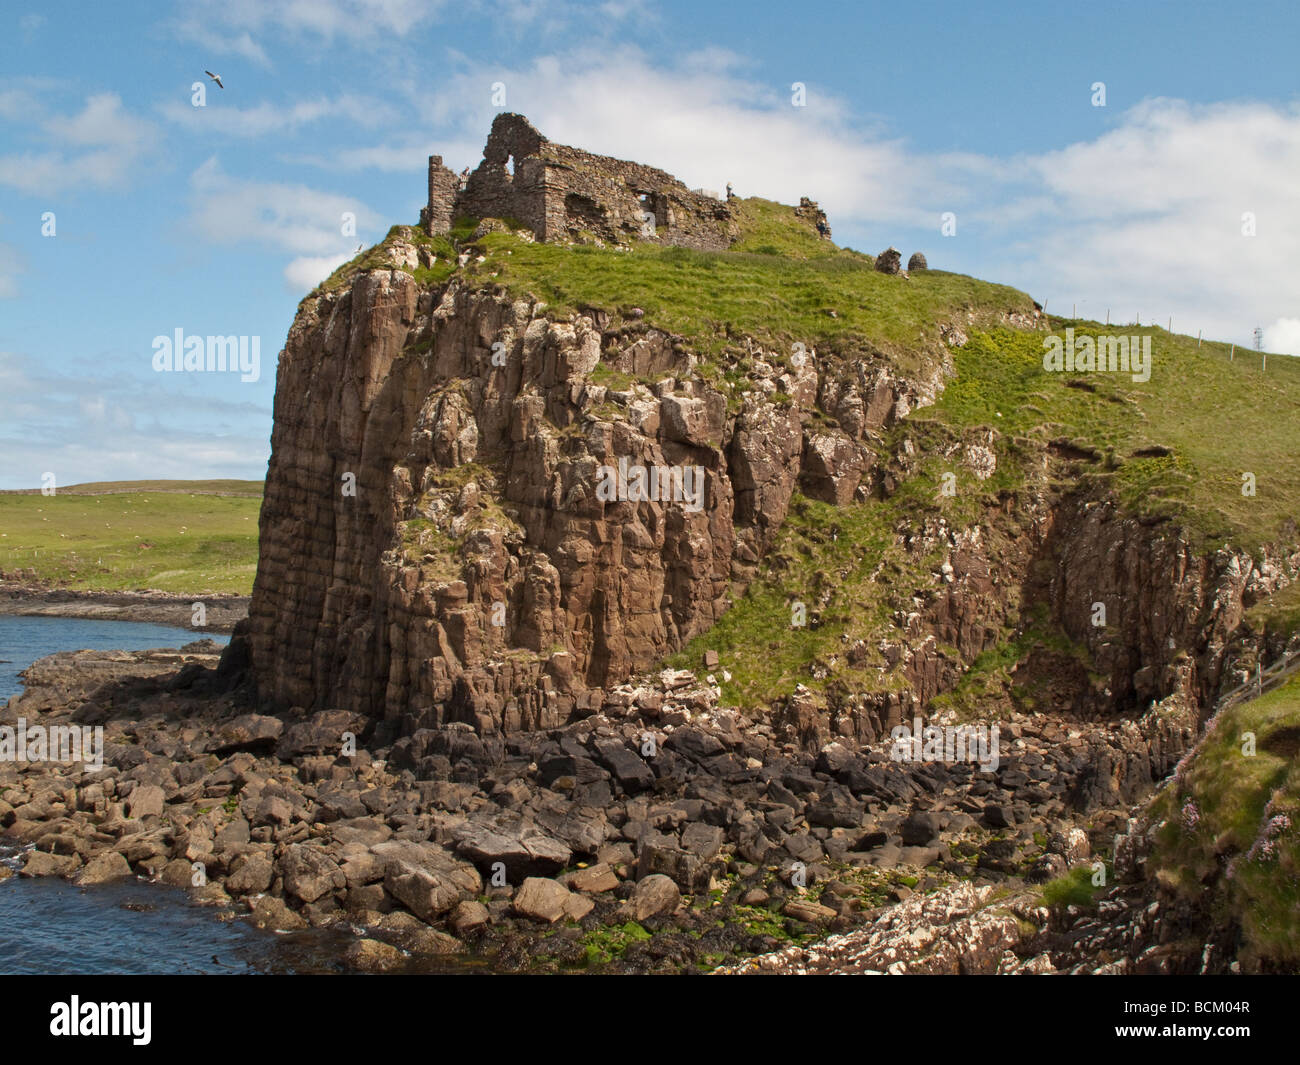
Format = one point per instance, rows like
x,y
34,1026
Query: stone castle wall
x,y
561,192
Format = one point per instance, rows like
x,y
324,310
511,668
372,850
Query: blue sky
x,y
218,219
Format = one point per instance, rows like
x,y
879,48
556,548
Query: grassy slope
x,y
129,535
1219,815
1217,419
779,297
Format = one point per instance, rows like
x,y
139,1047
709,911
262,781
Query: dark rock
x,y
919,828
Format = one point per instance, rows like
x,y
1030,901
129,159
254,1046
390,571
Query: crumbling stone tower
x,y
443,189
560,192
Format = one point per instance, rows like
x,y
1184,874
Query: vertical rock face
x,y
455,527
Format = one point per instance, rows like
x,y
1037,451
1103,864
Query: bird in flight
x,y
215,77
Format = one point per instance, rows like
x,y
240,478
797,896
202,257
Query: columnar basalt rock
x,y
563,193
434,546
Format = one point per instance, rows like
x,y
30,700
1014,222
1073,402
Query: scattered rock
x,y
654,895
541,899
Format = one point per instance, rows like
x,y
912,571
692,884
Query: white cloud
x,y
103,121
308,271
268,118
406,155
1283,336
704,121
233,27
291,218
1148,218
87,426
97,146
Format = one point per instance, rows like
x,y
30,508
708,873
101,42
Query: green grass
x,y
378,257
824,559
1216,419
1074,888
1279,614
252,489
172,536
1220,825
811,292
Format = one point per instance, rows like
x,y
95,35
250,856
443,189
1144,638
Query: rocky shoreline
x,y
159,608
659,834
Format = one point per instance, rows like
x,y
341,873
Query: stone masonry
x,y
561,193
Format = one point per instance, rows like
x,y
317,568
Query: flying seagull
x,y
215,77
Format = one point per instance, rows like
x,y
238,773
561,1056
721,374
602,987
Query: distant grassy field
x,y
173,536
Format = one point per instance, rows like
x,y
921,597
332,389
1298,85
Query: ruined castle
x,y
565,194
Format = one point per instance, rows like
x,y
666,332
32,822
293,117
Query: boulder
x,y
541,899
919,828
523,852
309,873
372,956
468,916
39,863
592,880
426,894
104,868
889,261
146,800
251,876
807,910
654,895
248,732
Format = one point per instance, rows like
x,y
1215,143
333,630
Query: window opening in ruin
x,y
510,165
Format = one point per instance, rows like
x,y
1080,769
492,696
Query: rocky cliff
x,y
433,541
485,508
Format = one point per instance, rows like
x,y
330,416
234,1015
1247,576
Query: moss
x,y
606,944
